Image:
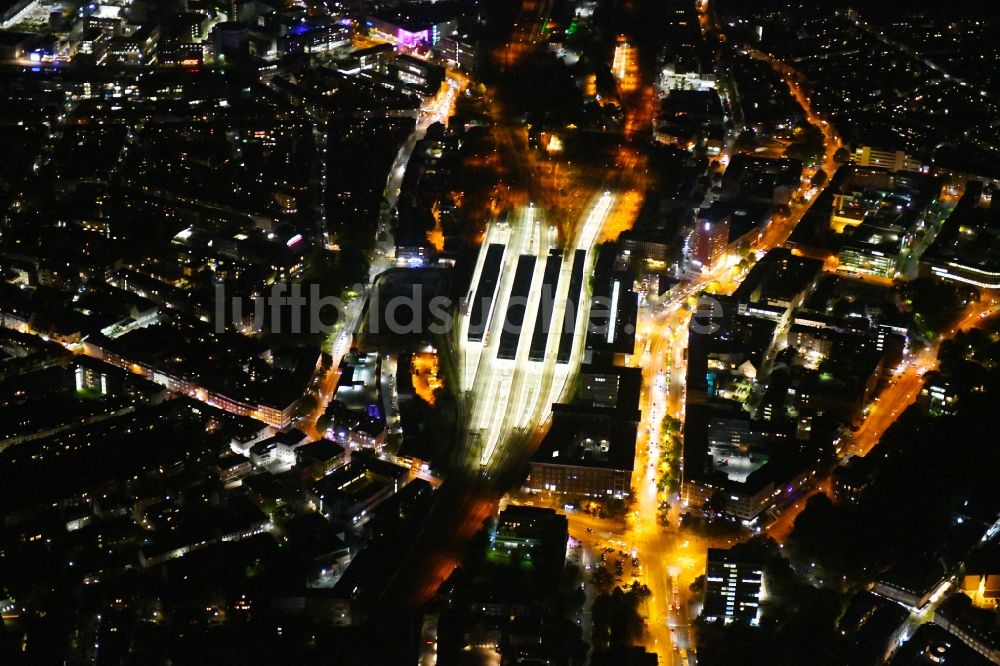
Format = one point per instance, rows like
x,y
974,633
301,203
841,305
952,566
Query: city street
x,y
341,338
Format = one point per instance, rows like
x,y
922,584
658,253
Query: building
x,y
590,446
108,18
867,260
761,179
949,639
599,389
735,463
967,249
913,584
852,479
188,27
531,528
734,588
319,458
277,449
652,246
230,40
92,43
867,216
457,52
873,627
375,57
893,160
610,386
982,585
413,252
675,76
139,48
708,241
939,395
137,356
307,38
46,48
413,25
350,493
727,340
586,452
730,464
232,468
91,377
171,52
688,117
851,370
539,533
248,436
238,520
780,279
614,309
355,415
419,75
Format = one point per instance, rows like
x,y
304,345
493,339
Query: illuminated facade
x,y
734,588
887,159
279,416
412,31
708,240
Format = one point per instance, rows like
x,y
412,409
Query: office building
x,y
531,528
893,160
734,588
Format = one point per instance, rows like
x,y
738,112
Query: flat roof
x,y
586,436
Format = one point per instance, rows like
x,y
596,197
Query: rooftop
x,y
588,437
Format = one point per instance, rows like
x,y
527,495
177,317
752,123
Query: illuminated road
x,y
903,390
672,561
782,527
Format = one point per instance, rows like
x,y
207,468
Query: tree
x,y
614,507
745,142
808,146
324,421
807,152
616,617
933,305
307,405
716,503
